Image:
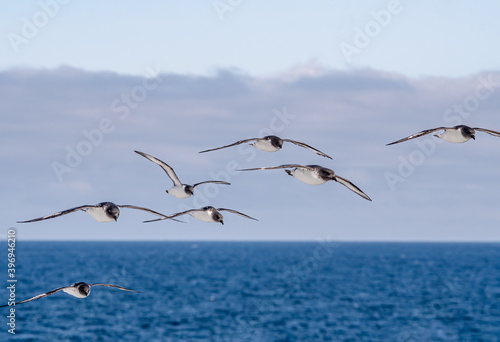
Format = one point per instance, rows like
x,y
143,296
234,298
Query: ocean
x,y
257,291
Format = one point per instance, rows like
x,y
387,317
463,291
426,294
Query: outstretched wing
x,y
286,166
234,144
116,286
301,144
215,182
64,212
416,135
352,187
40,296
163,217
167,168
489,131
146,209
237,213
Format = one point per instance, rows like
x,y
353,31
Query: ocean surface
x,y
253,291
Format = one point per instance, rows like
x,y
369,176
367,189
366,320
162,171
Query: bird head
x,y
470,132
189,189
467,131
113,211
83,288
274,140
326,174
217,217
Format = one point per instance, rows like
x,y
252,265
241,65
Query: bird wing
x,y
233,144
170,172
416,135
172,216
148,210
301,144
352,187
286,166
489,131
216,182
64,212
40,296
115,286
236,212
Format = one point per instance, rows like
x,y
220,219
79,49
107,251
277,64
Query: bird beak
x,y
222,222
474,137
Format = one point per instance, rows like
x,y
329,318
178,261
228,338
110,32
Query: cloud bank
x,y
69,136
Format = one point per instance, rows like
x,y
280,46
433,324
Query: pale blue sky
x,y
432,64
451,38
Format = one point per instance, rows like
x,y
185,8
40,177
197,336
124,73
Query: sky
x,y
83,86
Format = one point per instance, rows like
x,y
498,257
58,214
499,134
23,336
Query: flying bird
x,y
314,175
270,143
207,214
179,190
456,134
102,212
78,290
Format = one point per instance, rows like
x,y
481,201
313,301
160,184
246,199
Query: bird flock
x,y
309,174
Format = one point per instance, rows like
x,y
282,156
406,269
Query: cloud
x,y
46,113
360,81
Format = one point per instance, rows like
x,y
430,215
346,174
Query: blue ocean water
x,y
243,291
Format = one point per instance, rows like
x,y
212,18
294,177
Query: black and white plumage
x,y
456,134
314,175
179,189
102,212
270,143
206,214
78,290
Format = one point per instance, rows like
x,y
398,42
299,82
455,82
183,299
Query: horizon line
x,y
280,241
